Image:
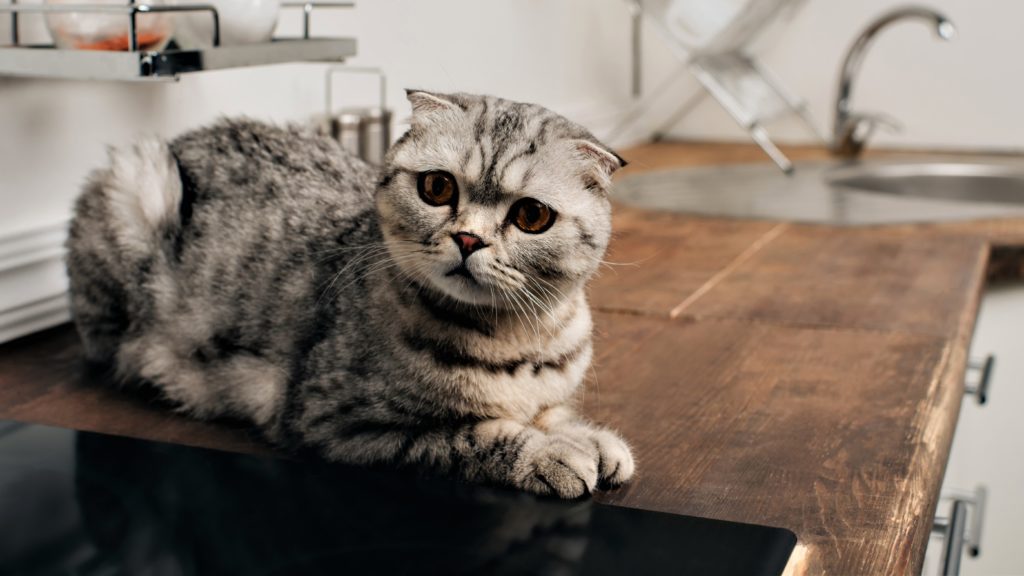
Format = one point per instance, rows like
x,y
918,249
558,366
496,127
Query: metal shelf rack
x,y
48,61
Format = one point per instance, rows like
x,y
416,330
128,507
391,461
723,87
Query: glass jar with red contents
x,y
100,31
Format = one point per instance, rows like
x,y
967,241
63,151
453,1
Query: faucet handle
x,y
864,124
857,128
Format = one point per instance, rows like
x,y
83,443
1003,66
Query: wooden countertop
x,y
801,376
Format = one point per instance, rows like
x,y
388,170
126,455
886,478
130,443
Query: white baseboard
x,y
33,281
32,245
34,316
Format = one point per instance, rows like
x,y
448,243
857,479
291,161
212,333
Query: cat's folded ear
x,y
426,104
602,160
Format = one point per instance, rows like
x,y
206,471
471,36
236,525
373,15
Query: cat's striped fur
x,y
259,272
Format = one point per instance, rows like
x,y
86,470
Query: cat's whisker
x,y
613,266
550,295
531,319
357,259
348,248
361,251
541,281
412,279
610,263
547,292
383,264
521,314
558,323
543,308
515,309
386,262
494,305
328,253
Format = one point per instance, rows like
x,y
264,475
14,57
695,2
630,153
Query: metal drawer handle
x,y
953,529
962,527
974,534
984,369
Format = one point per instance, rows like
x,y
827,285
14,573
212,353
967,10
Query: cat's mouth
x,y
461,270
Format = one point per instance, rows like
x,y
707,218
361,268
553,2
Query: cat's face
x,y
495,203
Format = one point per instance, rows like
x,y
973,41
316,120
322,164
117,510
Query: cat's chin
x,y
464,288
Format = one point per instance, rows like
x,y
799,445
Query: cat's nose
x,y
468,243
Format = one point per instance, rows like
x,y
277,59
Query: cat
x,y
429,314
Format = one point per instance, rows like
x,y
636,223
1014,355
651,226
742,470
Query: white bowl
x,y
241,22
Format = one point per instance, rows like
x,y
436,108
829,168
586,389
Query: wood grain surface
x,y
812,382
851,278
44,380
656,260
826,432
798,376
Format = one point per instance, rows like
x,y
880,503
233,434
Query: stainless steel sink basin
x,y
959,182
911,189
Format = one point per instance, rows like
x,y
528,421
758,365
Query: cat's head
x,y
492,202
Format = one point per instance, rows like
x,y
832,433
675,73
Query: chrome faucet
x,y
852,130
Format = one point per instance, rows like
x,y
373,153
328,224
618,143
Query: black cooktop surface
x,y
90,504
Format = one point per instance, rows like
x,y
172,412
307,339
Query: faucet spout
x,y
848,136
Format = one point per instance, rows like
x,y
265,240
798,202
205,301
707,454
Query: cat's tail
x,y
117,245
143,193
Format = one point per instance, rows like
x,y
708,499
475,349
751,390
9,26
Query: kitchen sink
x,y
915,188
962,182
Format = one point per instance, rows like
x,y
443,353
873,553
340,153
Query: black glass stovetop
x,y
96,505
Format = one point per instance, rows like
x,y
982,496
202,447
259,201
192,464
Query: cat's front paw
x,y
616,464
560,466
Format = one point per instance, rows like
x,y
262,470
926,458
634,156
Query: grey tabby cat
x,y
430,314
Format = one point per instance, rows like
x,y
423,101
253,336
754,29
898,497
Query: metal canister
x,y
374,134
345,129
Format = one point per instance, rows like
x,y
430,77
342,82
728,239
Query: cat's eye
x,y
437,188
532,216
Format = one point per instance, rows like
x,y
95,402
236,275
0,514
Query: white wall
x,y
962,94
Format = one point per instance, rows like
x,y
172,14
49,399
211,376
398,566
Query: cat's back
x,y
258,200
254,162
221,234
267,215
